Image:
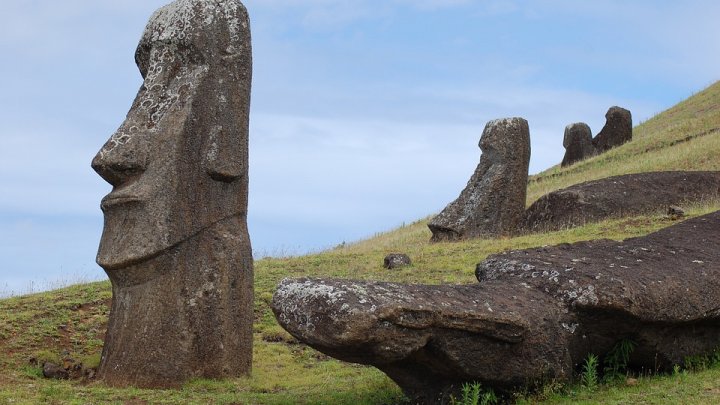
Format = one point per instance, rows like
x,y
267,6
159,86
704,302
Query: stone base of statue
x,y
183,315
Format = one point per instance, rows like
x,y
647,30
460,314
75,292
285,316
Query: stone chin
x,y
131,236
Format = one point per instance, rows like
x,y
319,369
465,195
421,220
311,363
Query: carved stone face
x,y
178,164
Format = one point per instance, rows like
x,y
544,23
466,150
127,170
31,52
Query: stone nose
x,y
119,163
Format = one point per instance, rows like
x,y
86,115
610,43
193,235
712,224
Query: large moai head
x,y
178,163
175,243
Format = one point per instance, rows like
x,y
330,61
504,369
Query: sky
x,y
365,114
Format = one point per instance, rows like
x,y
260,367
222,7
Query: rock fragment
x,y
396,260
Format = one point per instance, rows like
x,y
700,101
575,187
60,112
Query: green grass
x,y
69,324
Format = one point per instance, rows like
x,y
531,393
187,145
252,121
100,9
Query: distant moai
x,y
617,130
175,244
579,144
493,202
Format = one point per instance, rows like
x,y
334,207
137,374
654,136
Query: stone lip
x,y
493,201
535,315
618,196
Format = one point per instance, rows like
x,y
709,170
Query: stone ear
x,y
222,155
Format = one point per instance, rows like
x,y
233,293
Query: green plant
x,y
91,360
33,372
702,362
589,376
43,356
616,361
474,394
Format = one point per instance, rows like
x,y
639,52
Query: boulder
x,y
493,201
53,371
578,143
675,212
396,260
534,316
617,130
618,196
175,243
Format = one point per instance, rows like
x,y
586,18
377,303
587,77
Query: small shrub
x,y
589,377
702,362
551,389
616,361
474,394
679,371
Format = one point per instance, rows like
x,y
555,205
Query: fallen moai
x,y
535,315
617,196
175,243
493,201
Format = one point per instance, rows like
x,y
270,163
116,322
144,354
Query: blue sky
x,y
366,114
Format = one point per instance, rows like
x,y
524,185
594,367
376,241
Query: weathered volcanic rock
x,y
617,130
396,260
578,143
618,196
535,315
51,370
493,201
175,243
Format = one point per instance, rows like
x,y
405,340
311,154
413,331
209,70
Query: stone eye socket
x,y
182,52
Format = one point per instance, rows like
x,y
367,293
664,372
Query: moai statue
x,y
493,202
175,243
578,143
617,130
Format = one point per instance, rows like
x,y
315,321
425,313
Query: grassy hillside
x,y
68,325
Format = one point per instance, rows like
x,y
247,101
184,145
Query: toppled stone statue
x,y
396,260
630,194
535,315
617,130
493,201
175,242
578,143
